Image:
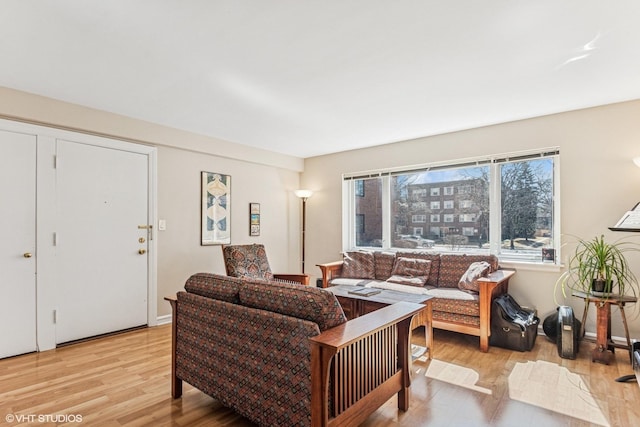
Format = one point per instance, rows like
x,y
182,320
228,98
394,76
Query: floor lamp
x,y
304,195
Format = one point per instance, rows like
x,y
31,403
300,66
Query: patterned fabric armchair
x,y
269,350
251,261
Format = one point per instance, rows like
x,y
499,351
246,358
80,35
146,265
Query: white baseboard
x,y
163,320
591,336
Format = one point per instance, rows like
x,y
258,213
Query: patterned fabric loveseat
x,y
266,349
463,286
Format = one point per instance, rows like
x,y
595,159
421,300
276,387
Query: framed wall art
x,y
254,219
216,209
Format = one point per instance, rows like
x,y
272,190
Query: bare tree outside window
x,y
526,204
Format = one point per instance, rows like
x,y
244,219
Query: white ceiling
x,y
306,78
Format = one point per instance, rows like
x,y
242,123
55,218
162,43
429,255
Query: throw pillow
x,y
358,265
476,270
384,264
410,271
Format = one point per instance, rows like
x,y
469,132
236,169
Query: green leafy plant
x,y
595,262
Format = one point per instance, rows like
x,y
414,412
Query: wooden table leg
x,y
428,329
626,331
602,353
425,319
584,316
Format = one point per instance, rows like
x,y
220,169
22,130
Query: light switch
x,y
162,224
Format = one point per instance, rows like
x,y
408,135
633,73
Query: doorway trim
x,y
45,224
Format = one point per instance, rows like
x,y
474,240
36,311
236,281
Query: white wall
x,y
599,182
180,253
257,176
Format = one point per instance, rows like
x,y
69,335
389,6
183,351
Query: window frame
x,y
465,204
463,217
467,231
419,218
494,163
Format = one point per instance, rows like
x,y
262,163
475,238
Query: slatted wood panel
x,y
361,367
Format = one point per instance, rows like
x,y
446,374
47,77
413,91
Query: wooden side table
x,y
604,345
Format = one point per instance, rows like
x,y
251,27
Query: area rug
x,y
454,374
555,388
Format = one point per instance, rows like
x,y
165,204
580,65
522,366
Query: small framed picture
x,y
254,219
548,255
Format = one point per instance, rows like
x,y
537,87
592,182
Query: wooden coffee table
x,y
358,305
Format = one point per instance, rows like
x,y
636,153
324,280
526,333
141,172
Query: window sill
x,y
531,266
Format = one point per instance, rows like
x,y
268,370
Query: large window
x,y
505,205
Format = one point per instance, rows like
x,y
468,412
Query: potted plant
x,y
600,268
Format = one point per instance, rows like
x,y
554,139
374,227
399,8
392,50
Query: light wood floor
x,y
123,380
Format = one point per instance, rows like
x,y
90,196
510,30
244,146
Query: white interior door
x,y
18,243
101,251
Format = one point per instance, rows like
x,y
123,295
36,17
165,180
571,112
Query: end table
x,y
604,345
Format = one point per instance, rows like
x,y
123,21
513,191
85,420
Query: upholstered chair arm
x,y
330,271
371,356
495,284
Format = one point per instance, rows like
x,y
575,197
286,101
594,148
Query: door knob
x,y
27,255
142,251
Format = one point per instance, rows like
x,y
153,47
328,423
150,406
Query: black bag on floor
x,y
567,331
512,326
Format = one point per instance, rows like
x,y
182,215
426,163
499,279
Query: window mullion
x,y
495,211
386,212
348,215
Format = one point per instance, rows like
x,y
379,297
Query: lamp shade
x,y
303,194
636,160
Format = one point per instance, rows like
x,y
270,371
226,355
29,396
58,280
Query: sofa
x,y
463,286
284,354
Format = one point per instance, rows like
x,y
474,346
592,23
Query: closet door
x,y
18,243
101,249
